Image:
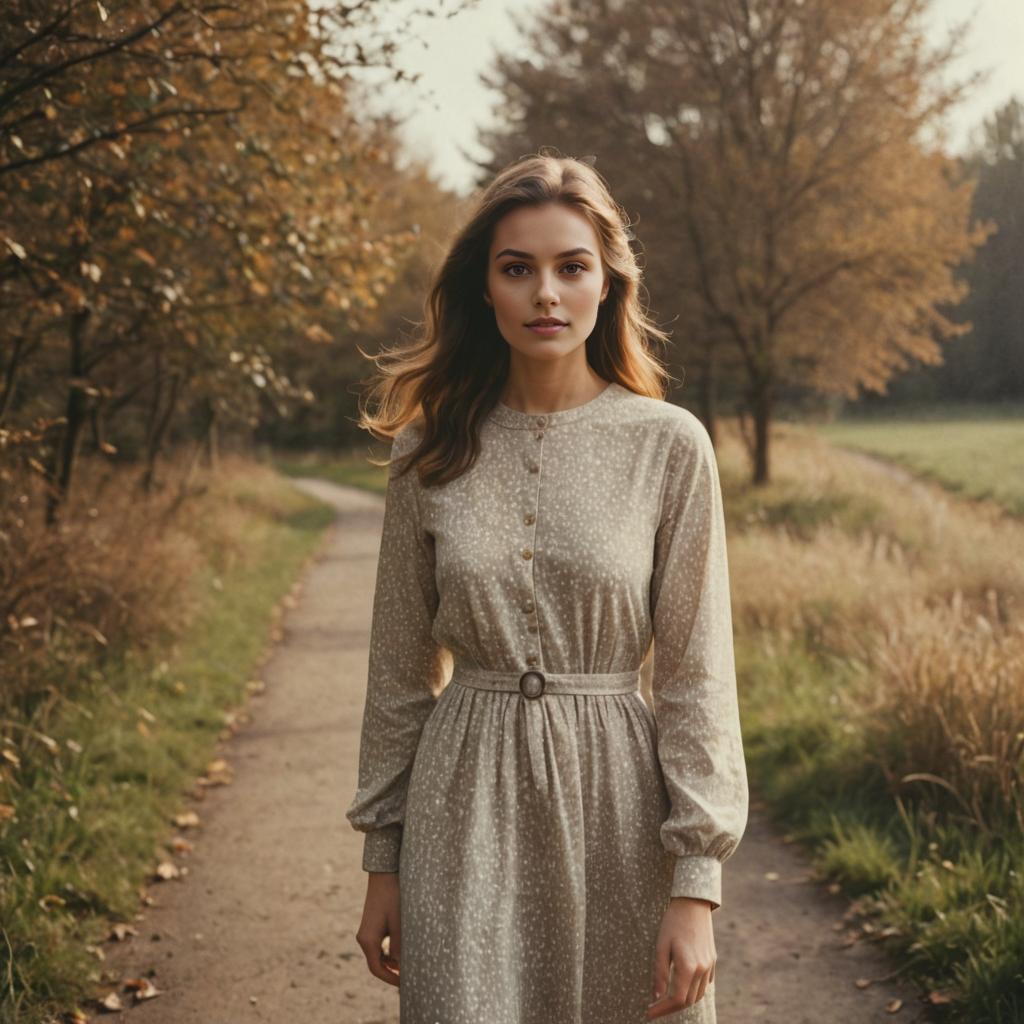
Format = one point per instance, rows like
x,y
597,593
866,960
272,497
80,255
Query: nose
x,y
545,294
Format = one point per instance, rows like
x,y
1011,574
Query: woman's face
x,y
545,262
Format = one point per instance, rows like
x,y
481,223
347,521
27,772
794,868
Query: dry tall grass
x,y
923,590
119,570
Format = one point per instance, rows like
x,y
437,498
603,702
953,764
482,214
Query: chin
x,y
546,350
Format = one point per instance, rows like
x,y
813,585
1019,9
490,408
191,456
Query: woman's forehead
x,y
546,231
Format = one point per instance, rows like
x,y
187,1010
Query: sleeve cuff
x,y
381,848
699,878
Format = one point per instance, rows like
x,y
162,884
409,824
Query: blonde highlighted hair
x,y
453,373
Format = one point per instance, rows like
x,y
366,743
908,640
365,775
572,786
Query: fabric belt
x,y
534,683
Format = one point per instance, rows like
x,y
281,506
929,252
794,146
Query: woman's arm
x,y
693,686
696,710
405,664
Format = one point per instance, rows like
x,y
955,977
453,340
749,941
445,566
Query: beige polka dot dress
x,y
539,813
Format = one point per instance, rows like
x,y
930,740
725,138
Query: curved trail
x,y
262,927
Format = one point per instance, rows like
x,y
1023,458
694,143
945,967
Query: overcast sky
x,y
445,107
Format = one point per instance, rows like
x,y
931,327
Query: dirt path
x,y
262,928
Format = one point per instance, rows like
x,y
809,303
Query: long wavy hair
x,y
453,373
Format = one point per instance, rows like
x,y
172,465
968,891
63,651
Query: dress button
x,y
529,519
540,436
527,554
534,468
532,684
531,628
542,421
531,659
528,607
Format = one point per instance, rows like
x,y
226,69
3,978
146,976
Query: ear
x,y
487,298
606,289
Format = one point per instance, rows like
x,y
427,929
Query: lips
x,y
546,321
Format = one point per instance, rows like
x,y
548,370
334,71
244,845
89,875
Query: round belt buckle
x,y
531,684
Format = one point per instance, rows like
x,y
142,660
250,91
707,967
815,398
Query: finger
x,y
375,962
699,987
682,983
666,1004
659,979
395,946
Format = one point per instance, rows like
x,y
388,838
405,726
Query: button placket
x,y
532,463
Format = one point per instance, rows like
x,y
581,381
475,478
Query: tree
x,y
793,151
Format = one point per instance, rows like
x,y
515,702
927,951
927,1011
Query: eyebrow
x,y
529,255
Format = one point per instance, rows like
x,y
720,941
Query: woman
x,y
541,847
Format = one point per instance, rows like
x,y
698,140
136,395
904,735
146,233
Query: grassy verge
x,y
95,769
944,896
880,650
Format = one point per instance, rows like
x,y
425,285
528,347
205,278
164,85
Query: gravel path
x,y
262,926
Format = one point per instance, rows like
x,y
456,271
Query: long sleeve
x,y
693,686
404,664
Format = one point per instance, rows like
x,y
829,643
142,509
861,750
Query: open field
x,y
976,451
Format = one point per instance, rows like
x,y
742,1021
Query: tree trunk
x,y
761,407
212,438
75,414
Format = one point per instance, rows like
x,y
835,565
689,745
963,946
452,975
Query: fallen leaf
x,y
863,982
938,998
120,932
187,819
771,876
167,870
111,1002
893,1006
179,844
142,988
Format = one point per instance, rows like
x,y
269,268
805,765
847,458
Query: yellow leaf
x,y
167,870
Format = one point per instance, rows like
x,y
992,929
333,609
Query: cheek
x,y
503,296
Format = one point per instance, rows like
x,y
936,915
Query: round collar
x,y
506,416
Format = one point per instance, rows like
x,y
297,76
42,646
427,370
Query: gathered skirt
x,y
532,876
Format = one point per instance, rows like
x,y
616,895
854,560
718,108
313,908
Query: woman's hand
x,y
380,922
687,941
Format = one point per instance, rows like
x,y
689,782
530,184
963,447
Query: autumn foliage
x,y
188,205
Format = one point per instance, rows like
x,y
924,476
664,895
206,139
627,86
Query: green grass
x,y
955,897
94,798
975,452
351,468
